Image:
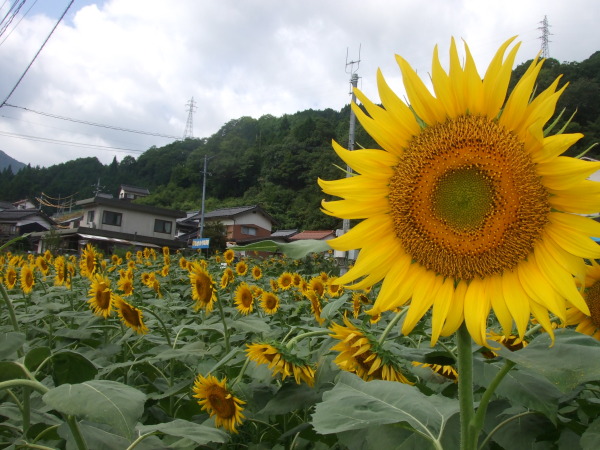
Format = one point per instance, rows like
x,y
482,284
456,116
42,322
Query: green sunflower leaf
x,y
295,250
571,361
102,401
355,404
10,343
199,433
591,436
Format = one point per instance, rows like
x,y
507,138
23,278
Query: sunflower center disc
x,y
463,198
466,200
592,298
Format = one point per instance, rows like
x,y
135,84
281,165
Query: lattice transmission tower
x,y
545,29
189,125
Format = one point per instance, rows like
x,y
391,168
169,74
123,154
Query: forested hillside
x,y
272,161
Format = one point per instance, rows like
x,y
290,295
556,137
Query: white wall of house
x,y
252,218
142,223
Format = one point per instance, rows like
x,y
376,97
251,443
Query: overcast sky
x,y
135,64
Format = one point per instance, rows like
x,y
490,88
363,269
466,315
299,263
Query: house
x,y
24,204
243,224
127,192
108,223
16,222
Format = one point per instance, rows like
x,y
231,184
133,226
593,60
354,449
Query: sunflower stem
x,y
162,324
225,330
468,435
10,308
305,335
393,322
489,392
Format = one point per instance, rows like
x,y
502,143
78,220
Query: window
x,y
112,218
249,230
90,216
162,226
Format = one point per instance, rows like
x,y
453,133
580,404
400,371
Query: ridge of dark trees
x,y
271,161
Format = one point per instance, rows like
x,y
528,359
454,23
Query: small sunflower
x,y
588,324
362,355
285,281
469,207
166,251
203,288
274,284
100,296
269,302
165,271
228,256
333,288
129,314
227,277
511,342
218,401
281,361
125,285
256,272
183,263
10,278
60,270
42,264
315,305
297,279
445,370
244,300
27,278
241,268
317,285
88,261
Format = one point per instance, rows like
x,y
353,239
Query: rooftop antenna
x,y
189,125
351,69
545,28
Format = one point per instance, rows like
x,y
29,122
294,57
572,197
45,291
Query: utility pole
x,y
201,232
189,125
545,28
351,69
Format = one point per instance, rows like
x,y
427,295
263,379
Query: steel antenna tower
x,y
189,125
351,69
545,28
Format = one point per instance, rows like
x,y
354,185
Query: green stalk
x,y
140,439
305,335
487,395
165,331
468,437
225,330
393,322
10,308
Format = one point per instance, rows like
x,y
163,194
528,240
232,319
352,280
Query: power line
x,y
37,54
69,143
17,24
94,124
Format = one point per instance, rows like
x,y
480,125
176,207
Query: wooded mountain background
x,y
271,161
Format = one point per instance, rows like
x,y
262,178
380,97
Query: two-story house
x,y
107,223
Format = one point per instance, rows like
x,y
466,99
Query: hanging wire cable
x,y
37,54
17,24
85,122
13,11
73,144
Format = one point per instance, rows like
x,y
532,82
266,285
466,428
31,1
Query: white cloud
x,y
135,63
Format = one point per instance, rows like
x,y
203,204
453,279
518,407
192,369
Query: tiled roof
x,y
317,234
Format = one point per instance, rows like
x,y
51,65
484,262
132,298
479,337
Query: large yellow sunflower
x,y
216,399
269,302
203,288
129,314
469,206
281,361
100,296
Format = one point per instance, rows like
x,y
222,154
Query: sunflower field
x,y
156,350
470,318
